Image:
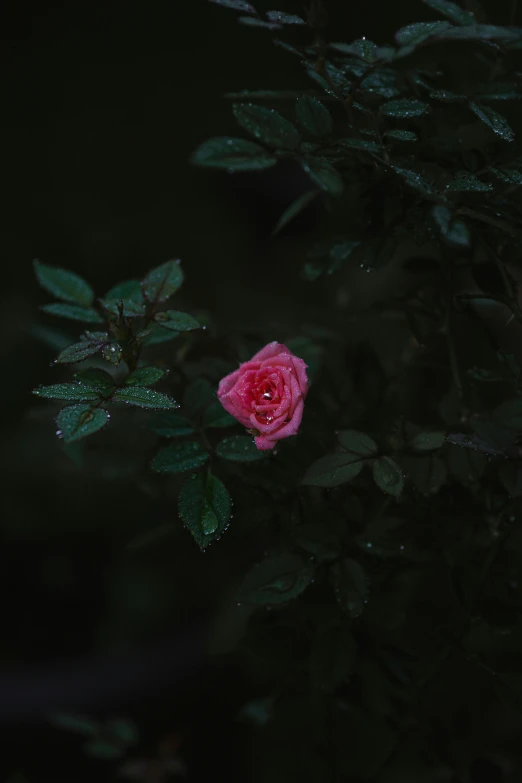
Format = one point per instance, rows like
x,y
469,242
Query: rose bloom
x,y
267,394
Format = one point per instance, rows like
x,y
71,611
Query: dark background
x,y
103,103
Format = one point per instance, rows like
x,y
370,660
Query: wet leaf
x,y
79,421
350,585
255,21
414,180
280,17
143,397
357,443
464,180
493,120
453,11
416,33
163,281
236,5
145,376
511,175
388,476
179,457
313,116
66,285
176,321
205,507
276,580
66,391
78,352
401,135
359,144
233,155
294,209
267,125
333,470
239,448
404,108
73,312
171,425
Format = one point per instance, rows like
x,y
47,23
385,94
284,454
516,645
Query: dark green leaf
x,y
267,125
78,421
66,391
255,21
401,135
280,17
239,448
233,155
333,470
205,507
404,109
78,352
509,175
216,416
350,585
464,180
122,730
77,723
103,749
332,658
427,441
313,116
324,175
415,33
454,232
176,321
66,285
144,398
97,379
453,11
236,5
163,281
414,180
359,144
171,425
363,48
388,476
74,312
276,580
494,120
145,376
294,209
446,96
129,294
159,335
357,443
179,457
497,91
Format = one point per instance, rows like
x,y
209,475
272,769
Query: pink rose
x,y
267,394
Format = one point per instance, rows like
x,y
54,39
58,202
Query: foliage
x,y
385,537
